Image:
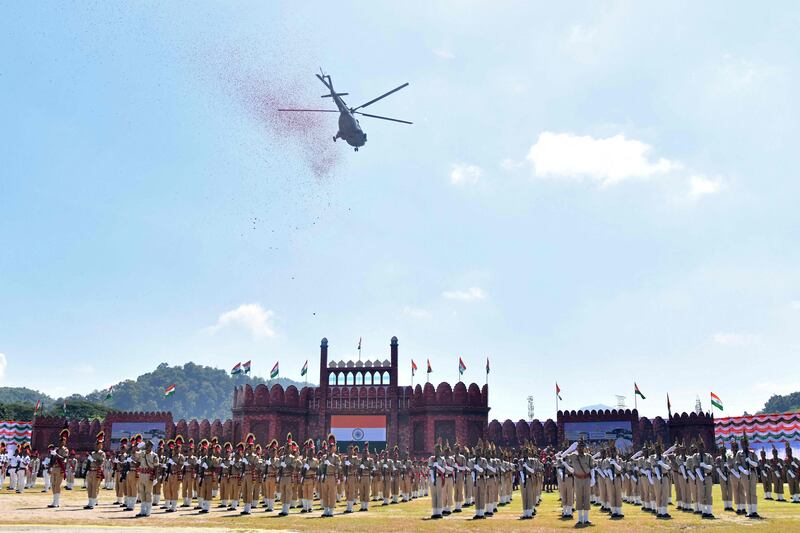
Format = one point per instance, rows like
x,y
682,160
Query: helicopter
x,y
349,127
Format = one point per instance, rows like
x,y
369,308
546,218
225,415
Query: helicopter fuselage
x,y
349,128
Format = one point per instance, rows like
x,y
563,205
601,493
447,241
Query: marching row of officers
x,y
180,472
484,477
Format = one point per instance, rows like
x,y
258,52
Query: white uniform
x,y
13,462
23,464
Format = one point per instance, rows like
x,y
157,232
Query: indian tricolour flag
x,y
716,402
169,391
236,370
274,372
359,429
304,370
461,366
246,367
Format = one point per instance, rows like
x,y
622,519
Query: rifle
x,y
201,473
126,466
168,469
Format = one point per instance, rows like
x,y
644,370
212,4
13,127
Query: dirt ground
x,y
28,512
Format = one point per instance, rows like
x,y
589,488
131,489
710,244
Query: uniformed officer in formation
x,y
58,461
94,471
146,470
485,476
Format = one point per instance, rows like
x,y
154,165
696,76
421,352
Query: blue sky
x,y
591,193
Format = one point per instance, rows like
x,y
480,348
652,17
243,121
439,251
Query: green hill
x,y
200,392
782,404
22,395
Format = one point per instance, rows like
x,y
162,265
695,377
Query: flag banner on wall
x,y
15,431
763,431
359,429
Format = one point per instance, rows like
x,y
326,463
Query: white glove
x,y
347,463
52,452
283,464
362,466
204,465
170,462
328,462
306,467
89,458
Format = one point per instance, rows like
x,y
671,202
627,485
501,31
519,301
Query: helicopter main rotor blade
x,y
311,110
380,97
382,118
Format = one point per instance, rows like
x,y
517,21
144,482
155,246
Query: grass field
x,y
29,512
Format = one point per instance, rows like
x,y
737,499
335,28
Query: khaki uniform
x,y
703,466
527,482
286,468
775,474
566,487
582,466
58,469
479,476
188,483
172,473
270,481
747,463
308,475
365,469
350,481
146,470
94,475
437,474
792,468
328,483
131,480
206,475
251,467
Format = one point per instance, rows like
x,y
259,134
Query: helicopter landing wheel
x,y
356,148
334,138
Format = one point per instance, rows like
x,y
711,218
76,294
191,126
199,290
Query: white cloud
x,y
3,365
511,164
473,293
734,339
608,161
464,174
416,312
252,317
443,53
700,185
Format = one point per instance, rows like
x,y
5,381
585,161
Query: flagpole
x,y
556,398
635,399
